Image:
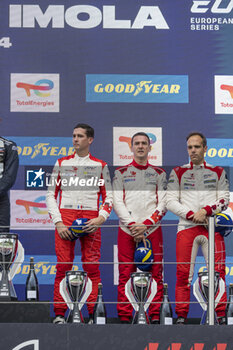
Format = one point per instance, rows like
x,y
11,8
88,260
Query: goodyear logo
x,y
219,152
42,150
137,88
45,269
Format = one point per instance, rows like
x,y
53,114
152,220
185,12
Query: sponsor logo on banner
x,y
42,150
35,178
219,152
210,15
29,210
45,268
223,94
34,92
83,17
122,154
137,88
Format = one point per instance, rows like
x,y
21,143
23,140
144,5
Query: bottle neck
x,y
99,290
31,264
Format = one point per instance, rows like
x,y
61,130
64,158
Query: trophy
x,y
11,257
75,289
201,292
140,290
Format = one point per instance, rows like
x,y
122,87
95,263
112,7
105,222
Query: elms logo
x,y
223,94
122,154
137,88
34,92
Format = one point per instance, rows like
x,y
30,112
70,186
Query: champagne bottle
x,y
99,314
229,310
32,289
165,308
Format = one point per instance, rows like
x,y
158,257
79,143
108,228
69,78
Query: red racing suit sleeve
x,y
160,210
223,195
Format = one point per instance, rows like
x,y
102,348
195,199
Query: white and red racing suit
x,y
79,181
139,196
190,188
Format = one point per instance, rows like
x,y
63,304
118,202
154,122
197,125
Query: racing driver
x,y
196,191
77,200
139,201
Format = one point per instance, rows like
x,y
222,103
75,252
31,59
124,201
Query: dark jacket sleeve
x,y
11,164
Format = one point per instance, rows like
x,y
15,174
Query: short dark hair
x,y
140,134
204,142
89,130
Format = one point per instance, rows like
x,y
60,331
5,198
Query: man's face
x,y
140,147
196,150
81,142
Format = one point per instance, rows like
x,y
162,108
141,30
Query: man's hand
x,y
137,232
63,231
92,225
200,217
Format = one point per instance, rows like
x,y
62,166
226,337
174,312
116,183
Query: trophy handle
x,y
64,294
221,288
130,295
88,290
66,297
17,262
198,295
153,291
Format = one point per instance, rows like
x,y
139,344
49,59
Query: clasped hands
x,y
91,226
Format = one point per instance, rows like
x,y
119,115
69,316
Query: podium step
x,y
24,312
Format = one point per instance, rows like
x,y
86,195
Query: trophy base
x,y
71,319
205,318
140,319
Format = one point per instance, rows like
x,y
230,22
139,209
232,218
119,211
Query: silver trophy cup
x,y
203,285
141,285
8,250
75,284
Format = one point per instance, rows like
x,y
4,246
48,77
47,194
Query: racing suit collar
x,y
202,165
82,158
139,166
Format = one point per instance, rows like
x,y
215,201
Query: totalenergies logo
x,y
127,139
38,205
40,85
228,88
